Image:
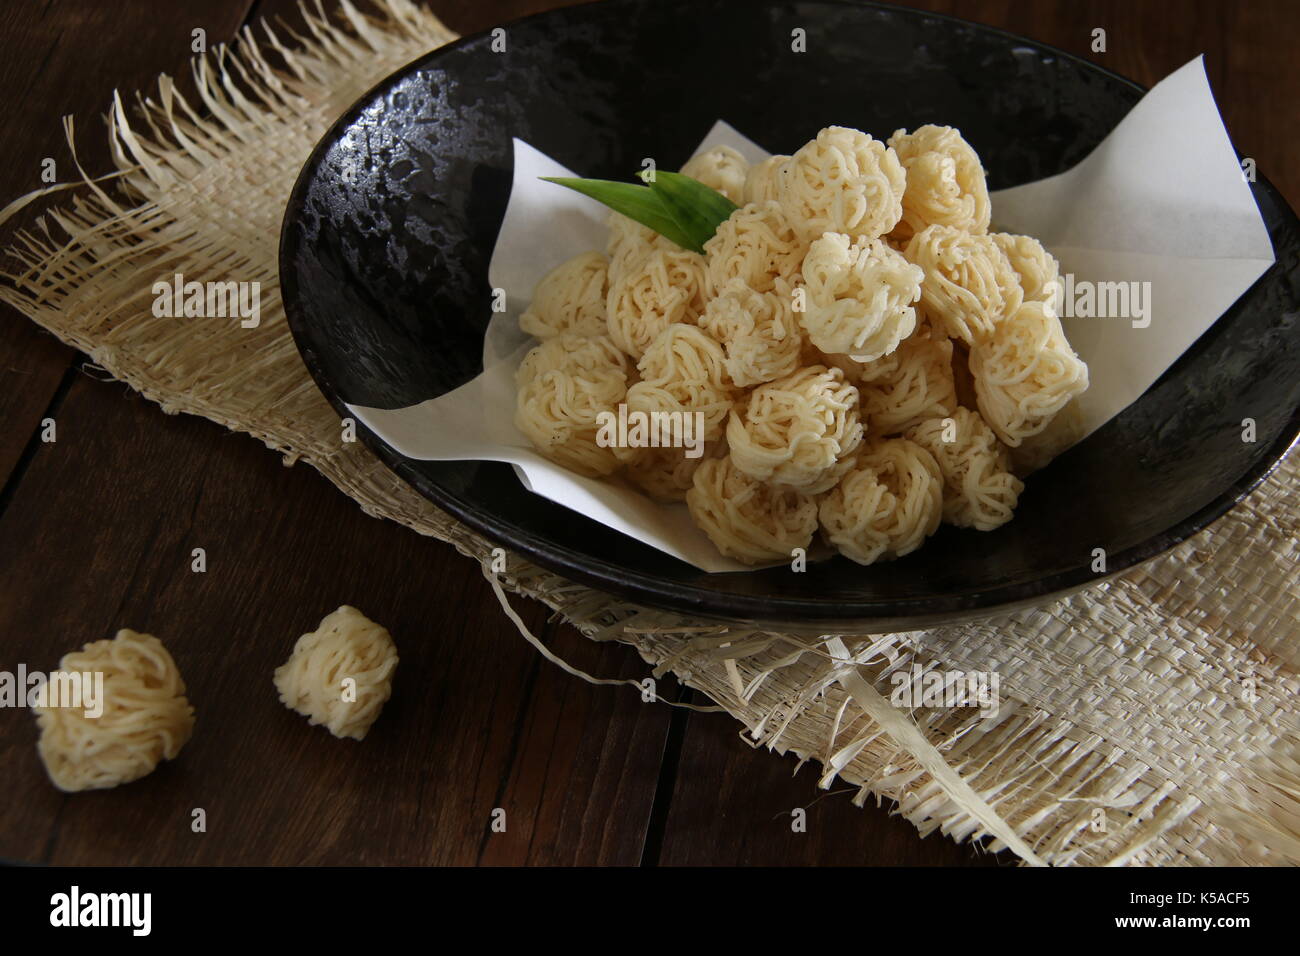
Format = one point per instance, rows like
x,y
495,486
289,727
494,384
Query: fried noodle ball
x,y
756,245
665,474
945,182
630,244
798,431
663,288
747,519
1025,373
842,181
969,286
347,646
1037,269
144,717
762,180
859,297
887,505
758,330
1037,451
569,298
979,490
564,385
919,385
684,371
855,372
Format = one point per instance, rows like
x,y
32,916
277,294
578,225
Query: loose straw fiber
x,y
1150,719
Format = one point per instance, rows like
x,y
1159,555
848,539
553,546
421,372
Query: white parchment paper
x,y
1161,201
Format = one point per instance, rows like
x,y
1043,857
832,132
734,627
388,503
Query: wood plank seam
x,y
34,443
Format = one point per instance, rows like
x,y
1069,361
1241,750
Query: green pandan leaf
x,y
639,203
696,208
677,207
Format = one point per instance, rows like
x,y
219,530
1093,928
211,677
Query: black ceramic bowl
x,y
390,228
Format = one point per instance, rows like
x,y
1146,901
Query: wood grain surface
x,y
97,530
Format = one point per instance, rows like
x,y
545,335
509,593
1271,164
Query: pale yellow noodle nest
x,y
684,353
842,181
859,296
887,505
945,182
1037,269
919,385
969,284
758,330
798,431
1025,373
569,298
145,717
747,519
756,245
341,674
666,286
564,385
629,244
684,371
670,404
722,169
979,490
763,180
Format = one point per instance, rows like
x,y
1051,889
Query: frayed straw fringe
x,y
1151,719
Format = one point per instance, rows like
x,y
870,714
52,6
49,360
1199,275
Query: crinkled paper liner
x,y
1150,719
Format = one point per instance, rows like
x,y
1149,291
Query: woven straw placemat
x,y
1150,718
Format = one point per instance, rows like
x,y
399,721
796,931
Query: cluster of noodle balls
x,y
338,676
868,359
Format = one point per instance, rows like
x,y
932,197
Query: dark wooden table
x,y
96,532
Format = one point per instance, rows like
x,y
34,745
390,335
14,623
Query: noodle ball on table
x,y
341,674
144,717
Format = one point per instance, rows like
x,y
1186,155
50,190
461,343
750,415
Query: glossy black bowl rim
x,y
578,566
